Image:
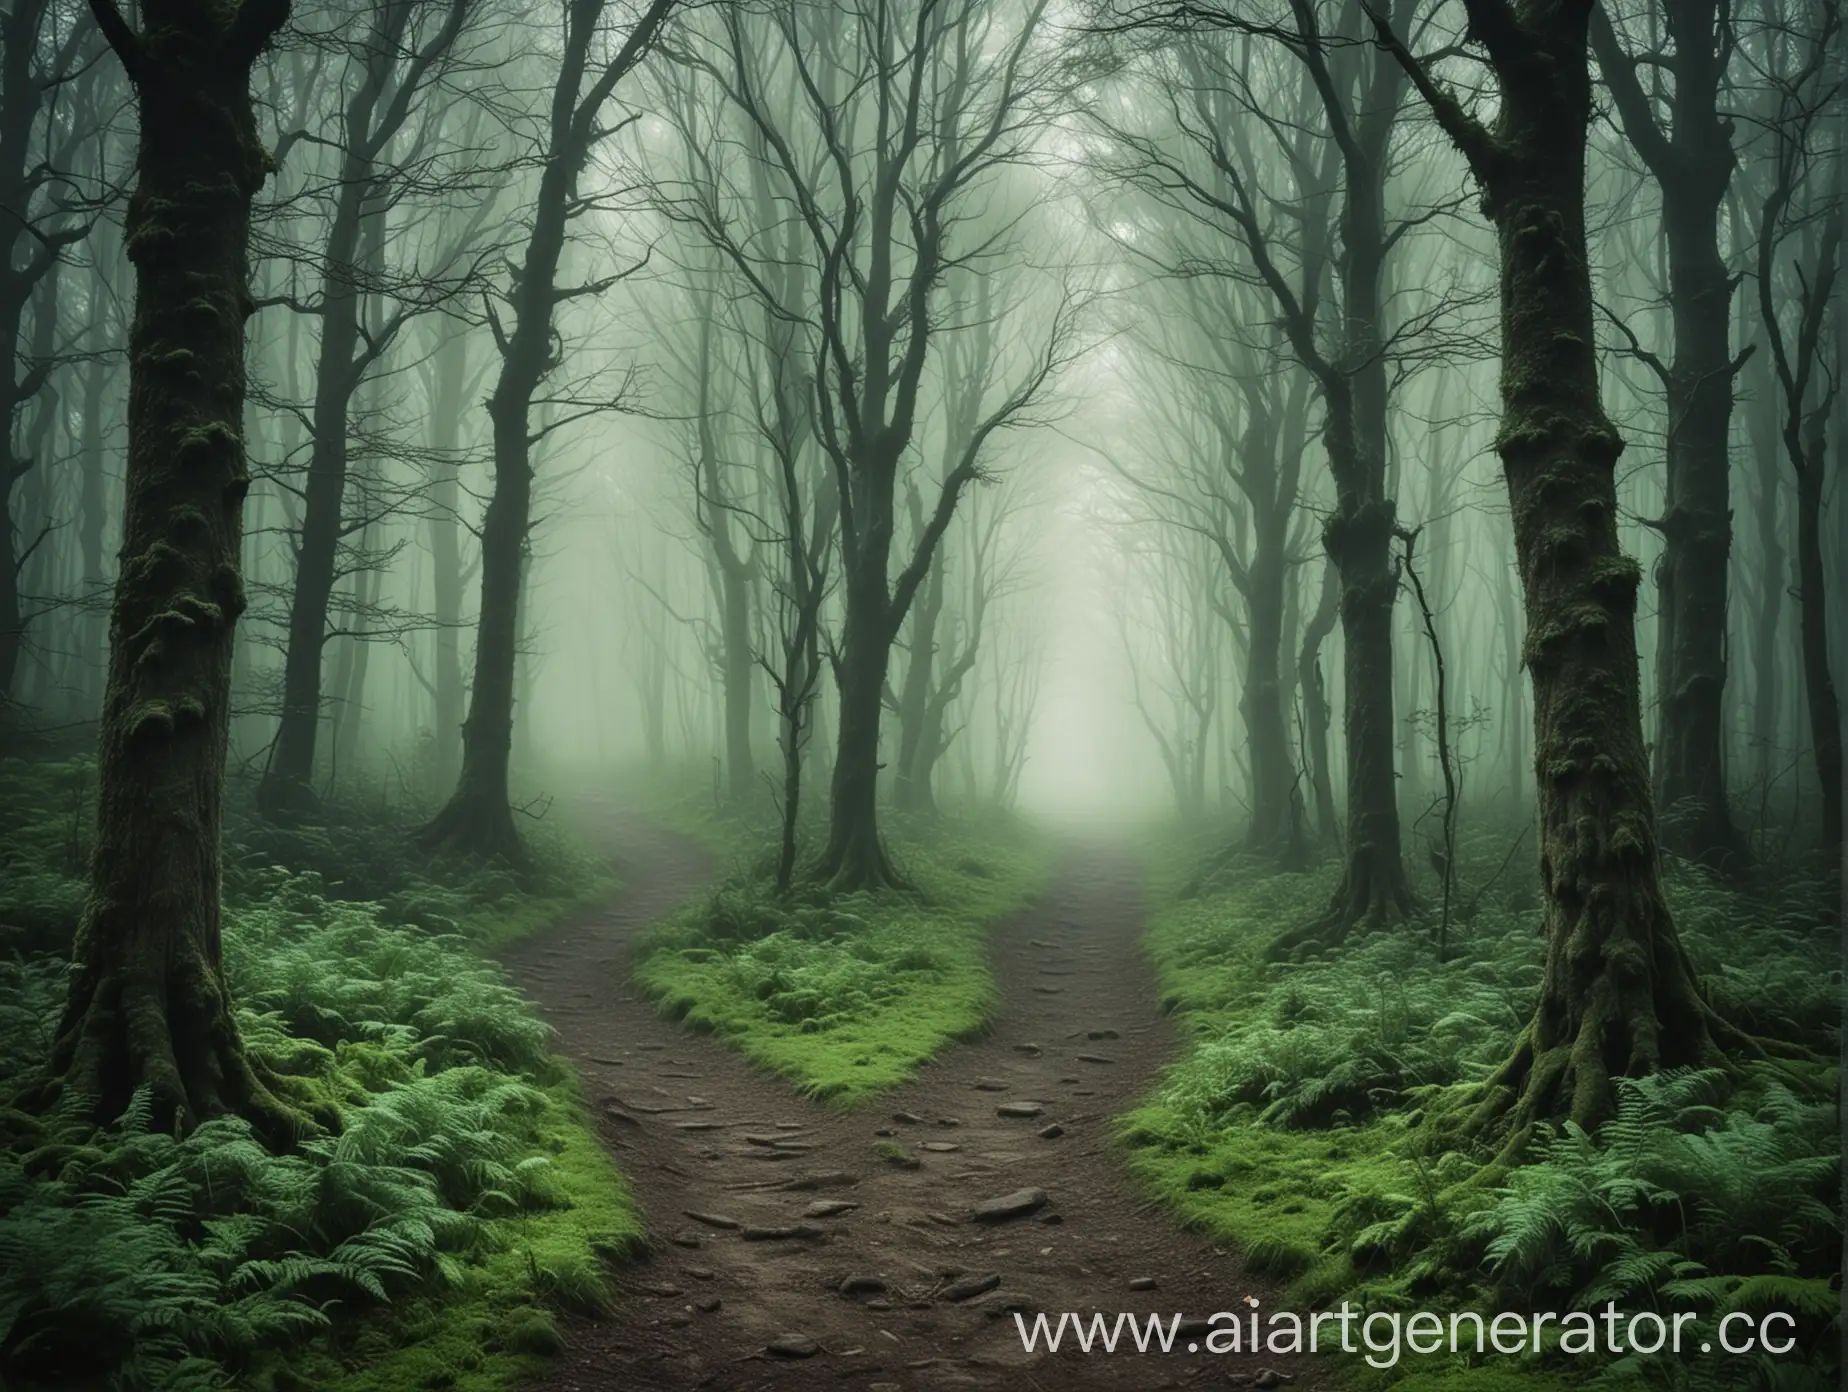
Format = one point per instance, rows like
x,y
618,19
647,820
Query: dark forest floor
x,y
697,1130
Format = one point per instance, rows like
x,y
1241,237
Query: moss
x,y
846,995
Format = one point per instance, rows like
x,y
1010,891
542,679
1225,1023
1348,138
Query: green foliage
x,y
427,1244
1293,1127
845,995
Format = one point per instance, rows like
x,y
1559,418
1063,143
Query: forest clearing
x,y
922,694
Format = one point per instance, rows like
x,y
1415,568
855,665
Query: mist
x,y
1299,540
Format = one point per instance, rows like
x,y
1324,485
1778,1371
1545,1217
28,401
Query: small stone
x,y
949,1121
825,1179
862,1285
618,1115
828,1208
665,1292
907,1118
1025,1111
990,1085
1015,1205
1095,1058
879,1305
687,1239
708,1304
792,1346
1142,1283
885,1131
1049,990
1030,1050
1010,1304
971,1286
1270,1377
1051,1133
941,1147
701,1273
799,1231
1052,1220
713,1220
1102,1034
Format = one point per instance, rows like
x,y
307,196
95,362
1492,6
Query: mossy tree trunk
x,y
1618,997
148,1006
1692,163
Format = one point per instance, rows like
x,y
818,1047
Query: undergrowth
x,y
463,1206
1291,1127
845,995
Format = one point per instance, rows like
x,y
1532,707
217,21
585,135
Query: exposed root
x,y
1373,893
475,827
171,1032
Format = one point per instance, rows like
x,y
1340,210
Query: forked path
x,y
792,1251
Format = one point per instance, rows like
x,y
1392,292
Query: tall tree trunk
x,y
1276,806
148,1005
286,790
449,388
1692,163
1825,717
855,856
92,517
1617,997
1316,714
911,780
478,818
1773,563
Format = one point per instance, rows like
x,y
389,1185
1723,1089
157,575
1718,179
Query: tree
x,y
1807,384
1359,93
148,1004
394,65
478,817
902,116
1617,998
1692,163
37,60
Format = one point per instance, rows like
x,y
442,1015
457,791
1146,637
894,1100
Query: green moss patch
x,y
845,995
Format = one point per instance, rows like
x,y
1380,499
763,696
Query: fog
x,y
944,431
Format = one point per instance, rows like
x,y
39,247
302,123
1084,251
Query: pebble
x,y
1024,1110
907,1118
1143,1283
713,1220
700,1273
971,1286
1095,1058
708,1304
1051,1133
1014,1205
792,1346
862,1285
800,1230
1103,1034
828,1208
941,1147
989,1085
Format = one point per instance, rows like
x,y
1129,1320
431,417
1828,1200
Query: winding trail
x,y
796,1199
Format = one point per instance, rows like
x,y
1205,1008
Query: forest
x,y
922,695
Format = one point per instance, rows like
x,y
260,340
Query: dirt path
x,y
796,1198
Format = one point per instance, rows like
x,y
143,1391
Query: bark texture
x,y
1618,997
148,1005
